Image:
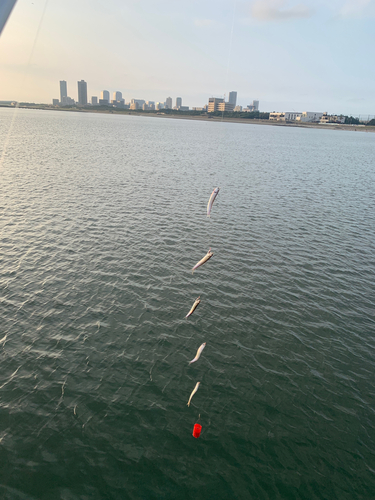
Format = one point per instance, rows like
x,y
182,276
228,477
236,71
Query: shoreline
x,y
206,117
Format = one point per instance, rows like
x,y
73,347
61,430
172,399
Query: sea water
x,y
102,219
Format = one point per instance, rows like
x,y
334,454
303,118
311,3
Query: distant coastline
x,y
201,117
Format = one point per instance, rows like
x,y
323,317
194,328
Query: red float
x,y
197,430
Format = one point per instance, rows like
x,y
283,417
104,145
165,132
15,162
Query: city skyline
x,y
133,103
287,54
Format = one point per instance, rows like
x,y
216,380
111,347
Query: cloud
x,y
203,23
357,8
277,10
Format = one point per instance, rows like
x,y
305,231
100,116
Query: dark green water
x,y
102,219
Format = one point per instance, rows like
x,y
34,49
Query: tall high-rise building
x,y
168,103
256,105
178,102
82,92
63,90
94,100
117,96
104,95
232,98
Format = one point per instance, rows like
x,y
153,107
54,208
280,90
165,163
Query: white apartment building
x,y
310,116
305,116
292,115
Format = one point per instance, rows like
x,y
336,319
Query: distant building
x,y
67,101
326,118
150,105
213,104
63,90
55,102
140,102
183,108
134,105
197,109
117,96
252,107
305,116
104,96
292,116
232,98
225,106
103,102
94,100
159,106
168,103
237,109
178,102
82,93
310,116
277,116
145,107
118,104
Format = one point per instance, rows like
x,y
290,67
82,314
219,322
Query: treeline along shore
x,y
255,117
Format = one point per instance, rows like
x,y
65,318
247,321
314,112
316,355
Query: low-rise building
x,y
310,116
238,109
55,102
292,116
326,118
277,116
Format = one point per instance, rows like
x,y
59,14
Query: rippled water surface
x,y
102,219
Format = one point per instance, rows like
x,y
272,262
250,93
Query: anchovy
x,y
214,193
194,391
208,256
195,305
199,352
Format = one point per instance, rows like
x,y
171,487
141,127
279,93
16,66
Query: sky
x,y
291,55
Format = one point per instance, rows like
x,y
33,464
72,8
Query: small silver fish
x,y
214,193
199,352
194,391
195,305
207,257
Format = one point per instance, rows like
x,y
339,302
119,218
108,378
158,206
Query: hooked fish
x,y
214,193
195,305
208,256
194,391
199,352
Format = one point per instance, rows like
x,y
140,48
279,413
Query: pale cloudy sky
x,y
315,55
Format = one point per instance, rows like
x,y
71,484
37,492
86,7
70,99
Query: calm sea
x,y
102,219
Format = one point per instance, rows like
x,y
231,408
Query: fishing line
x,y
230,50
7,139
220,150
